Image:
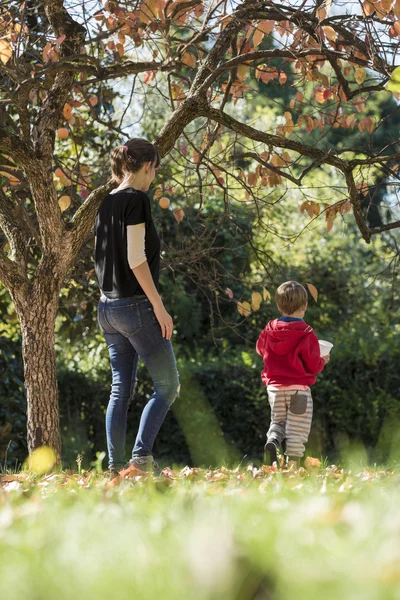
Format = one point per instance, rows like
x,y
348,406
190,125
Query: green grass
x,y
224,535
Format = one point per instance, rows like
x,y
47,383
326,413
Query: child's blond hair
x,y
290,297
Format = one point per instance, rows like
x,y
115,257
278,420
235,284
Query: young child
x,y
292,358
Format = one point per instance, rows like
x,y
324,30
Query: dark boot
x,y
270,452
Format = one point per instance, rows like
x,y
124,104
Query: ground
x,y
224,534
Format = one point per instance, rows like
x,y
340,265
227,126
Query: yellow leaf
x,y
277,161
360,75
64,203
256,300
177,92
266,294
242,72
330,33
5,51
258,37
313,291
244,308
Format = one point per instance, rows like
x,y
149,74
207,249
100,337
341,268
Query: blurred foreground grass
x,y
244,534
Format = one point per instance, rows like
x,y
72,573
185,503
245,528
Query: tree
x,y
57,66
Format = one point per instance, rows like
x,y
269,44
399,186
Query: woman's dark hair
x,y
130,157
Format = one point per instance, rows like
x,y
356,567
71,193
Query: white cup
x,y
325,347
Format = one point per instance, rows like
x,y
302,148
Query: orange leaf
x,y
179,213
282,77
313,291
189,60
266,26
329,223
67,111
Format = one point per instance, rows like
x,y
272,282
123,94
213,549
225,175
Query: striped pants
x,y
291,416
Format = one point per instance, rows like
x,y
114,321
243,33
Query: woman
x,y
131,314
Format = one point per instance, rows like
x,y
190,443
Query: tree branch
x,y
354,196
83,220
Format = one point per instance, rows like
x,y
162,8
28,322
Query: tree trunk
x,y
37,327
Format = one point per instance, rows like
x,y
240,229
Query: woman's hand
x,y
325,359
165,320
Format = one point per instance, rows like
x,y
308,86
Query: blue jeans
x,y
131,330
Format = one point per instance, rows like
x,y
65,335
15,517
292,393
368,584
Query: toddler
x,y
292,359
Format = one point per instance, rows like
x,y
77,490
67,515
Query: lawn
x,y
226,534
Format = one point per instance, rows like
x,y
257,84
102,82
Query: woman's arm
x,y
145,279
140,267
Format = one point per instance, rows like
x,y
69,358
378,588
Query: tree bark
x,y
37,328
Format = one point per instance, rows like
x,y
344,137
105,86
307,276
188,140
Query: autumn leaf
x,y
189,60
313,291
179,213
256,300
257,37
360,75
266,26
330,33
64,203
229,293
5,51
244,308
67,111
312,463
266,294
278,161
311,208
12,180
394,83
242,71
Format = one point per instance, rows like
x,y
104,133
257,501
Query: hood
x,y
282,336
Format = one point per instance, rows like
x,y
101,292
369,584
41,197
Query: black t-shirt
x,y
114,275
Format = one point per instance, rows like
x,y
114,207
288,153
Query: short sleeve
x,y
137,209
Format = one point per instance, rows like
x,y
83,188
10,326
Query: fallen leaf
x,y
312,463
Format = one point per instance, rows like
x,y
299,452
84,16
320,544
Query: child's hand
x,y
325,359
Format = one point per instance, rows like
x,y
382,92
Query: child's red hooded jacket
x,y
291,353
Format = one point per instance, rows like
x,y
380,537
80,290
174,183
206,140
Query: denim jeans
x,y
131,330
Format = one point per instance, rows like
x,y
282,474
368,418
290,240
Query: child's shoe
x,y
270,452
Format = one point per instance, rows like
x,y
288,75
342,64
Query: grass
x,y
245,534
